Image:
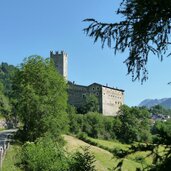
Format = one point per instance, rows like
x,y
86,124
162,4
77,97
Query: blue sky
x,y
38,26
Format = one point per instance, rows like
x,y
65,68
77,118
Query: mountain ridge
x,y
165,102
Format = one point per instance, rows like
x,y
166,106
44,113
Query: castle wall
x,y
112,99
76,94
109,99
96,90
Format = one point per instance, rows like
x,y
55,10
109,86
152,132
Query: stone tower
x,y
61,62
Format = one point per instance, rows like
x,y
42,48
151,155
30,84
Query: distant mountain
x,y
165,102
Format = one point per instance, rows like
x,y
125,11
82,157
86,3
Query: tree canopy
x,y
7,73
145,29
41,98
5,107
135,125
90,104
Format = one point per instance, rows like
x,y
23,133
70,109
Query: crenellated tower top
x,y
61,62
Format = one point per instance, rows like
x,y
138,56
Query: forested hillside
x,y
6,74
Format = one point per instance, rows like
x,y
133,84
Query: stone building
x,y
110,99
61,62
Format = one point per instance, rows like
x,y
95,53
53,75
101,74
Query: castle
x,y
110,99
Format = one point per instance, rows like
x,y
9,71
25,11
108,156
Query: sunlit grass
x,y
105,159
138,159
10,160
110,144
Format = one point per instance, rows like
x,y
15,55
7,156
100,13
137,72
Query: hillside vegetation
x,y
35,95
104,159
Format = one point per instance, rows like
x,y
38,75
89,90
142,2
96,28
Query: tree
x,y
5,107
93,125
145,29
83,161
163,132
43,154
7,73
158,109
91,104
160,150
135,124
41,98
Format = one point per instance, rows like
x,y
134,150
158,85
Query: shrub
x,y
43,155
83,161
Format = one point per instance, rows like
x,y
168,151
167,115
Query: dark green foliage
x,y
7,73
160,150
110,126
83,161
162,130
40,98
158,109
93,124
5,107
42,155
145,29
74,126
46,155
40,102
135,125
91,104
132,124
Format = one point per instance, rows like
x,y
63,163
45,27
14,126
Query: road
x,y
5,138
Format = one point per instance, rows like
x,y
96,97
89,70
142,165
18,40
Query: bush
x,y
93,124
83,161
46,155
43,155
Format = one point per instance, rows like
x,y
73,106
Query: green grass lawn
x,y
10,159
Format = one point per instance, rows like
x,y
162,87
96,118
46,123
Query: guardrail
x,y
4,146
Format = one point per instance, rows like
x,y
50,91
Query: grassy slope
x,y
104,158
112,145
10,159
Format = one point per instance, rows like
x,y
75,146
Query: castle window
x,y
93,88
97,94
